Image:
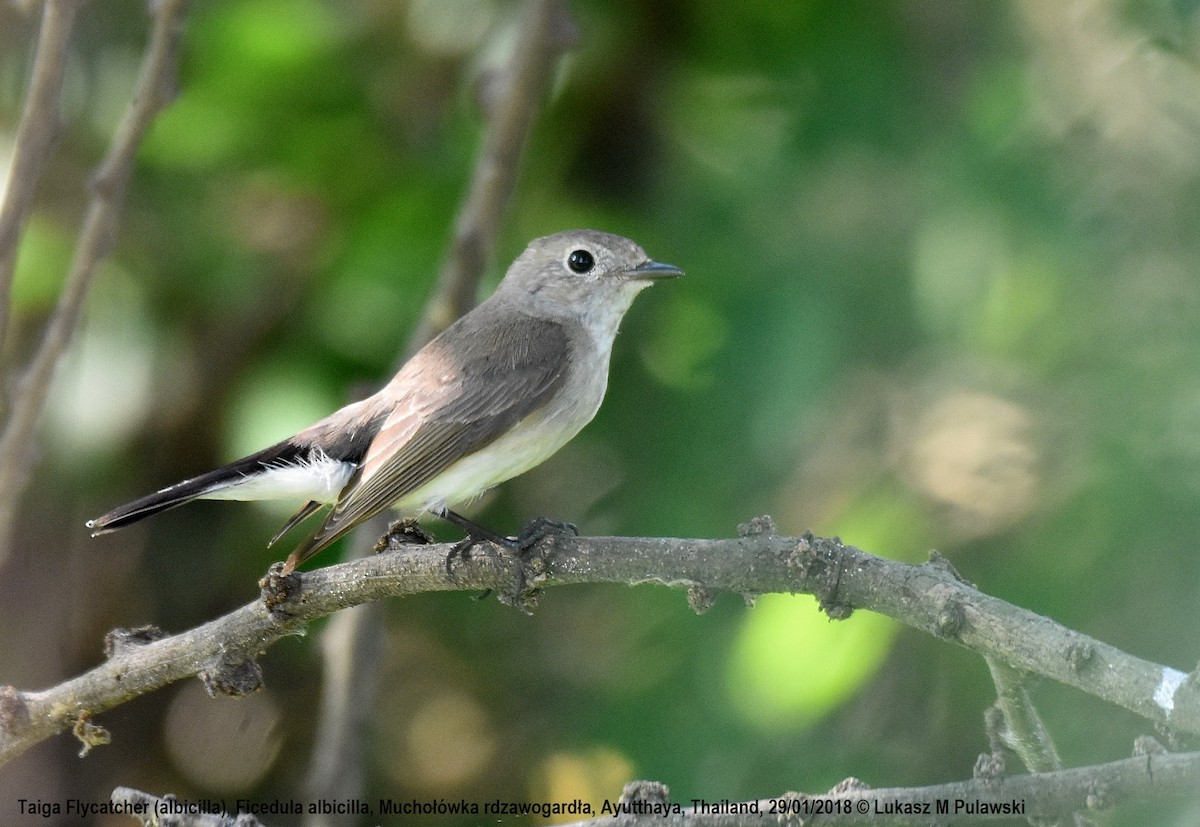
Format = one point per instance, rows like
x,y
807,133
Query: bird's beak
x,y
653,271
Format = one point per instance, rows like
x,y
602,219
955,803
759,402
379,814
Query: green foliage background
x,y
942,292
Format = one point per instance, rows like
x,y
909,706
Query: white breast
x,y
531,441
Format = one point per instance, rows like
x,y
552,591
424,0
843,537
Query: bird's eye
x,y
581,261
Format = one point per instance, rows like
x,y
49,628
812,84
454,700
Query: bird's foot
x,y
539,529
476,535
530,568
533,554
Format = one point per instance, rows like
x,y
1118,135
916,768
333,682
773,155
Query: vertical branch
x,y
546,32
154,90
351,649
37,133
1021,729
1014,723
350,644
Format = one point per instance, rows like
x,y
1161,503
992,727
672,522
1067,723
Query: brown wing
x,y
450,403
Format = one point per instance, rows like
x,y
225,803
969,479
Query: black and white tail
x,y
281,455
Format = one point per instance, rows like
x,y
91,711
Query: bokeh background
x,y
943,291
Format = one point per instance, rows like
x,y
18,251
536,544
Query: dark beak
x,y
653,271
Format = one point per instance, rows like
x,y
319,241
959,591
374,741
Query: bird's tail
x,y
204,485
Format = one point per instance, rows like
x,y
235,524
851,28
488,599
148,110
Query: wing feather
x,y
451,404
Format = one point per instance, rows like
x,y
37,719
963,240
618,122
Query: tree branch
x,y
1043,796
350,644
1016,724
37,133
546,32
1052,795
154,90
929,597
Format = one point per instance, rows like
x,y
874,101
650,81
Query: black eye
x,y
581,261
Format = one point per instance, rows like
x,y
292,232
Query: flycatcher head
x,y
583,273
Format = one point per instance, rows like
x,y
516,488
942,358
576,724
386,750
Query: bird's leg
x,y
475,534
539,528
522,595
533,532
533,560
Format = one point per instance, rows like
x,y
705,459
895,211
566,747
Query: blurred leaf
x,y
43,259
790,665
276,37
591,776
689,332
887,521
998,103
275,401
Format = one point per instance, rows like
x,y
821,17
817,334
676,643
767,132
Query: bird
x,y
495,394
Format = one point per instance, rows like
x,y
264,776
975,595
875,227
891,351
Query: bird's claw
x,y
530,567
533,560
462,549
540,528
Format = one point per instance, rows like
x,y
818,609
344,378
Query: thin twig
x,y
928,597
1040,796
854,804
351,653
154,90
1014,724
351,642
37,133
1020,729
545,35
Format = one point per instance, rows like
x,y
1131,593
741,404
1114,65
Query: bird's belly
x,y
530,443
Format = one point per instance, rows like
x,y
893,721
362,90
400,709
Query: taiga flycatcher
x,y
496,393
